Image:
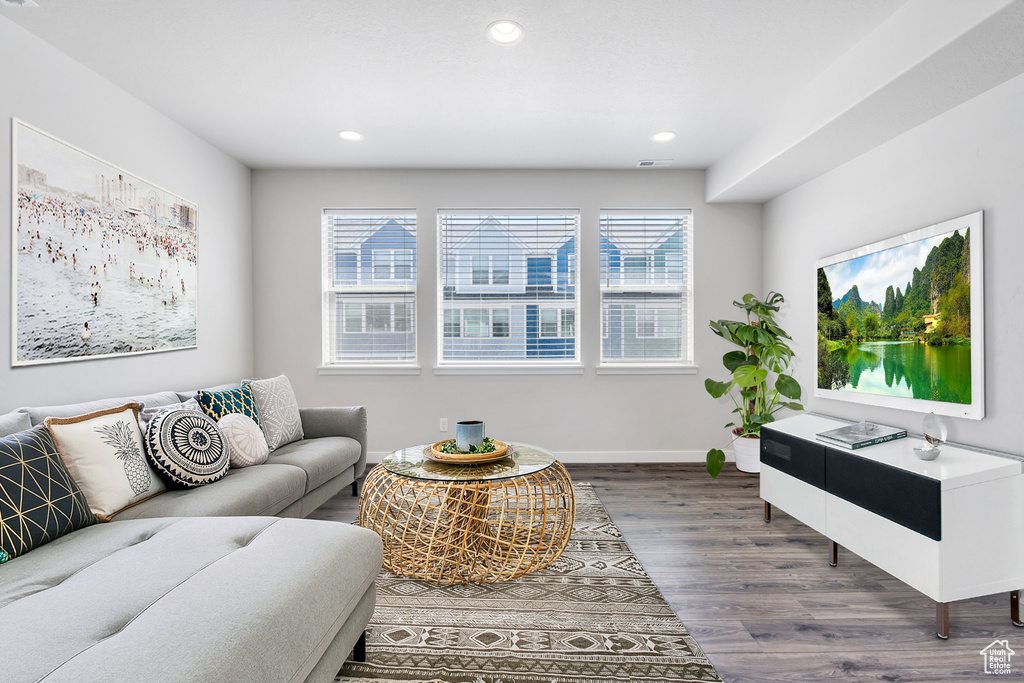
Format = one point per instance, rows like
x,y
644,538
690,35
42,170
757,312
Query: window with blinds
x,y
369,287
646,287
507,287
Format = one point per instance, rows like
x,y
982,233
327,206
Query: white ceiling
x,y
271,83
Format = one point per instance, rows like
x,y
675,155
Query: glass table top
x,y
523,459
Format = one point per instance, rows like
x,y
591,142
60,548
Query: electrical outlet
x,y
444,424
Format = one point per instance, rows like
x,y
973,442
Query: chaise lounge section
x,y
220,582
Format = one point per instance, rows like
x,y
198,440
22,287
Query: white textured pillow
x,y
103,452
245,441
278,410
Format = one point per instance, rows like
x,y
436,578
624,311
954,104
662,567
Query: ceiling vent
x,y
650,163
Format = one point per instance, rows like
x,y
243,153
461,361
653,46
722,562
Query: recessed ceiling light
x,y
505,32
664,136
350,135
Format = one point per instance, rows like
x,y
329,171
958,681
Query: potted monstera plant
x,y
758,383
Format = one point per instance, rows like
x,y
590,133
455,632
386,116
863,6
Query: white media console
x,y
951,528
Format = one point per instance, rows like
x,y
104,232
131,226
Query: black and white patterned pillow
x,y
278,409
186,448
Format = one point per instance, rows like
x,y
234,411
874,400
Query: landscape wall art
x,y
900,322
104,262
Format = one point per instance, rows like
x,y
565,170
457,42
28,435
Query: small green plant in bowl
x,y
488,446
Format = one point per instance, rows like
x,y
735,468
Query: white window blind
x,y
369,287
646,287
507,287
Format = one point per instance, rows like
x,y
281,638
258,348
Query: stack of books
x,y
861,434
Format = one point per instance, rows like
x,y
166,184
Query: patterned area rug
x,y
593,615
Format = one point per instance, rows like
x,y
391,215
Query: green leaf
x,y
726,329
793,406
717,389
750,376
746,333
733,360
764,337
731,424
788,386
715,462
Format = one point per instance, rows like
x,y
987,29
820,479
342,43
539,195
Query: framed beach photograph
x,y
103,262
901,322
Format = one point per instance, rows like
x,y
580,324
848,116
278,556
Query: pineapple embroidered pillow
x,y
103,452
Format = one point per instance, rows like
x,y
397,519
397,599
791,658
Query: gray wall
x,y
970,158
590,417
46,88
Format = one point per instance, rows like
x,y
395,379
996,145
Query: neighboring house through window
x,y
646,286
369,287
507,287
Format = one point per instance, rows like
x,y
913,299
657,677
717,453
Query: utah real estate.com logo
x,y
997,657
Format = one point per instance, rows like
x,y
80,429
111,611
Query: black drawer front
x,y
799,458
908,499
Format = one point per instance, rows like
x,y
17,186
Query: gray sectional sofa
x,y
204,584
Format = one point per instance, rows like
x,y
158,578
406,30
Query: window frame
x,y
657,280
511,275
366,288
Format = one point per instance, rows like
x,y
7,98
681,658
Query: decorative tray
x,y
434,453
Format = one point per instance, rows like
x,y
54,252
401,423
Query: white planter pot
x,y
748,454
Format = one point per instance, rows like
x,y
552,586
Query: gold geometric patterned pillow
x,y
39,499
217,404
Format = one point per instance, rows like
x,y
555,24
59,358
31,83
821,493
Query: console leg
x,y
355,488
359,650
942,620
1015,608
767,511
833,553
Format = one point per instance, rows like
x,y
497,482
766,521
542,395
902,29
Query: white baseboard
x,y
609,457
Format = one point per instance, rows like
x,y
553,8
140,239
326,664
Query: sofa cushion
x,y
278,409
14,422
244,440
159,600
217,404
186,448
321,459
39,499
104,452
39,413
263,490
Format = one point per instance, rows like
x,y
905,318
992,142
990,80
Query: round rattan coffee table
x,y
469,523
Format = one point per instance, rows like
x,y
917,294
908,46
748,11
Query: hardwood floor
x,y
762,600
